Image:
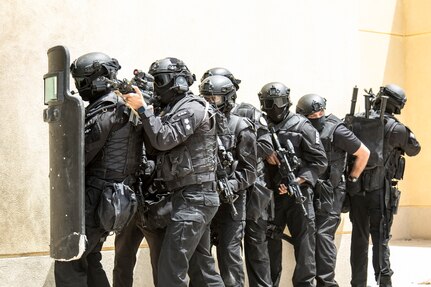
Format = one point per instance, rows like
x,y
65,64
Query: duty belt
x,y
98,182
190,180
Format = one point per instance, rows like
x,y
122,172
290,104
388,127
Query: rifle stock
x,y
286,170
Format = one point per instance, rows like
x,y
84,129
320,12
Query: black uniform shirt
x,y
401,137
308,148
345,140
245,153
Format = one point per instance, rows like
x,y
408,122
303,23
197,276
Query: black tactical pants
x,y
126,247
88,270
256,253
187,239
327,222
366,217
228,231
302,229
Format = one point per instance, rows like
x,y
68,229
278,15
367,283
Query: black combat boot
x,y
385,281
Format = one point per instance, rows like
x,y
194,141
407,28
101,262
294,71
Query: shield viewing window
x,y
50,89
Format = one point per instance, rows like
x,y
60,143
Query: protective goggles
x,y
270,102
81,82
161,80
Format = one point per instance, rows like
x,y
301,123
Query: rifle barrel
x,y
354,99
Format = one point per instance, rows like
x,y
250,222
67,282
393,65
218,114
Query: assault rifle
x,y
288,162
144,81
224,161
144,180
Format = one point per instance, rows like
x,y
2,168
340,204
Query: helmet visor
x,y
270,102
161,80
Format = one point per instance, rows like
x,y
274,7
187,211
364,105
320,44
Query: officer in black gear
x,y
377,196
127,244
275,101
222,72
330,190
185,135
149,222
258,196
113,143
238,137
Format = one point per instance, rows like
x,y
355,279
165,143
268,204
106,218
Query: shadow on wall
x,y
395,68
49,282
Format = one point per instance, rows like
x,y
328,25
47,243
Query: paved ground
x,y
411,261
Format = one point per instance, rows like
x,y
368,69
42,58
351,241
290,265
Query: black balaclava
x,y
277,114
318,123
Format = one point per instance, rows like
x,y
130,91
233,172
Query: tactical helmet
x,y
220,91
274,100
310,104
396,98
87,71
222,72
171,77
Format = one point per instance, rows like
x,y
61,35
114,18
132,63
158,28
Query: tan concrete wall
x,y
309,45
395,42
418,75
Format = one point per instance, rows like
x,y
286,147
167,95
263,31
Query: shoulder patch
x,y
187,125
263,122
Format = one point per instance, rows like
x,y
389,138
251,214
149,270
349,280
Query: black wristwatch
x,y
352,178
141,110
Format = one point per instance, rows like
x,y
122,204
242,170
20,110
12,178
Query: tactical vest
x,y
228,129
393,157
385,161
255,116
336,157
370,131
193,161
121,153
248,111
290,128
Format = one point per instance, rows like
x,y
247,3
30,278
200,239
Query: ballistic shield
x,y
65,116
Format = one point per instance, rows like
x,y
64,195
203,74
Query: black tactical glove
x,y
353,187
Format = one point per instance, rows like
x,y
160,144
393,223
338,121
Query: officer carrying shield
x,y
112,150
185,138
374,197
